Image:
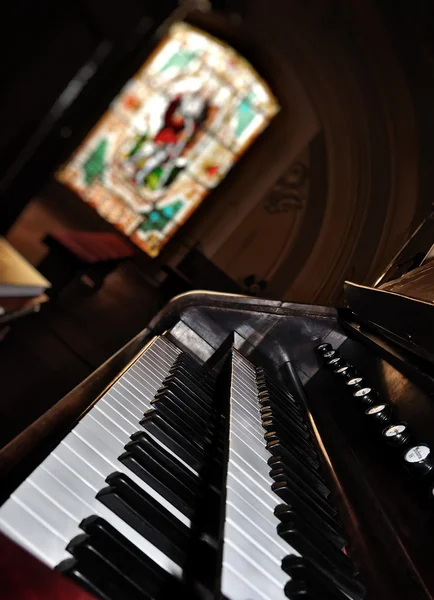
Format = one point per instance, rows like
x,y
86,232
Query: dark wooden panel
x,y
19,457
387,512
36,370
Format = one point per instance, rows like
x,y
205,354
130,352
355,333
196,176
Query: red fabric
x,y
169,134
171,109
173,124
23,577
93,246
166,136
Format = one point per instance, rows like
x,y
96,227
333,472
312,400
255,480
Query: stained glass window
x,y
170,136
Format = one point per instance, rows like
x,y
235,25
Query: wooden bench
x,y
90,255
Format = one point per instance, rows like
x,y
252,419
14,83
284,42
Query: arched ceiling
x,y
363,105
339,62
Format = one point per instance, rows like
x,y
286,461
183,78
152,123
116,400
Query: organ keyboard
x,y
226,459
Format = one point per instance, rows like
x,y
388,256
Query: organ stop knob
x,y
419,459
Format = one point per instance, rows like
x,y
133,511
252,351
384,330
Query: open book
x,y
18,278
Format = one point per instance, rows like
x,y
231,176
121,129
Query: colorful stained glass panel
x,y
174,131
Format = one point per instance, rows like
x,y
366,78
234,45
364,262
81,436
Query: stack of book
x,y
22,287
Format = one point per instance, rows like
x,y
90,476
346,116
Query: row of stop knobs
x,y
417,456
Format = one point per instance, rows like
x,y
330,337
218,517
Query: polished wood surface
x,y
407,321
387,513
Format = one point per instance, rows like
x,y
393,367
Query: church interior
x,y
272,150
331,189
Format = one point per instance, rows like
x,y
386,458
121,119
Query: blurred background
x,y
320,175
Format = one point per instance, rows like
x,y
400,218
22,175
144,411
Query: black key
x,y
307,582
305,452
142,512
92,573
307,549
194,366
282,399
266,403
302,590
162,481
288,413
173,439
202,408
201,371
294,446
204,397
329,527
292,428
180,408
126,556
275,389
277,448
200,383
264,395
293,493
134,580
182,423
290,434
280,473
144,443
182,420
307,590
271,423
283,473
314,535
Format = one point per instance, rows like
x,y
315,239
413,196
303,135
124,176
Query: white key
x,y
115,430
44,513
253,428
252,549
27,530
270,553
47,510
68,489
251,573
106,409
101,450
245,387
133,392
269,500
238,586
250,506
250,451
127,405
246,544
73,473
136,375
